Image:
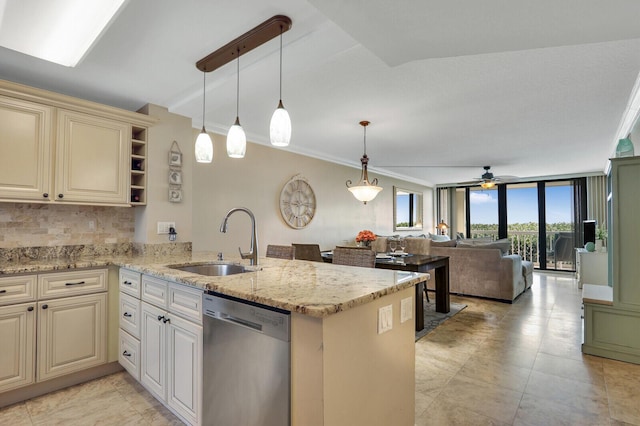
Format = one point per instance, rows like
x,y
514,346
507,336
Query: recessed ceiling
x,y
530,88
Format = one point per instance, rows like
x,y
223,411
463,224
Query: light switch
x,y
385,319
406,309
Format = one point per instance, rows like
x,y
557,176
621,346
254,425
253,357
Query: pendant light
x,y
280,128
204,145
236,139
364,191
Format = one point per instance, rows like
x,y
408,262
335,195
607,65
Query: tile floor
x,y
492,364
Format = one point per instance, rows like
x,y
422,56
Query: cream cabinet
x,y
51,324
55,148
25,149
92,159
167,358
71,334
17,334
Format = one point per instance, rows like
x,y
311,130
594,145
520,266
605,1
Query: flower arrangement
x,y
366,236
601,233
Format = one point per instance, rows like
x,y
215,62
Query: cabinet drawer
x,y
130,282
130,314
155,291
71,283
17,289
129,355
186,302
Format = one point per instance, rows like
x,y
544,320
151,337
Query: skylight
x,y
60,31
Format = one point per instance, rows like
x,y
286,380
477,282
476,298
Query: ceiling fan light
x,y
204,147
236,141
280,127
488,185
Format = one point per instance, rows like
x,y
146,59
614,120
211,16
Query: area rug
x,y
432,319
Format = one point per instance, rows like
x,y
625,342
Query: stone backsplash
x,y
44,225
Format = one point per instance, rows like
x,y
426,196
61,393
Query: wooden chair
x,y
354,257
307,252
280,252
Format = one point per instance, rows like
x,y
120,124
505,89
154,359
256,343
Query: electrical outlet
x,y
385,319
406,309
163,227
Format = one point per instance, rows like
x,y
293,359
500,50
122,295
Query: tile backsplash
x,y
26,225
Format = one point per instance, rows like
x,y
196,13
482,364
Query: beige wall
x,y
255,182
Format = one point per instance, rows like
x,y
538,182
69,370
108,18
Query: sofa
x,y
476,268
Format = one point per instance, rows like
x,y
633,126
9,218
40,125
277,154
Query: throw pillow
x,y
450,243
503,245
435,237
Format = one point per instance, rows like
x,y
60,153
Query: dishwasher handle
x,y
238,321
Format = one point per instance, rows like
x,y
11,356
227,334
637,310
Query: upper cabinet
x,y
25,149
54,148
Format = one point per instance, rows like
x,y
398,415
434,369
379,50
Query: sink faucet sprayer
x,y
253,250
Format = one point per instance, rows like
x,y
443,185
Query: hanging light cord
x,y
280,62
238,87
204,94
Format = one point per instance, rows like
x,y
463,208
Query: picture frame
x,y
175,195
175,177
175,158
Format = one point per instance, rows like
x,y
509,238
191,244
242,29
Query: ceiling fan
x,y
488,180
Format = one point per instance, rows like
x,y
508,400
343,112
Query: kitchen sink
x,y
211,269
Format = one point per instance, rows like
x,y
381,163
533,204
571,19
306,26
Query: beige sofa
x,y
474,270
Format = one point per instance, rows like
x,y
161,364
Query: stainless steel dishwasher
x,y
246,364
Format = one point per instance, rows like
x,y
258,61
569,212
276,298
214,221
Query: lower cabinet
x,y
71,334
166,356
18,337
59,330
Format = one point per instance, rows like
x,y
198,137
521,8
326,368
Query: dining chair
x,y
354,257
307,252
280,252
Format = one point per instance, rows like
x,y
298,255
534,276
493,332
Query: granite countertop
x,y
312,288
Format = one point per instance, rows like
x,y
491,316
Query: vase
x,y
624,148
364,244
599,245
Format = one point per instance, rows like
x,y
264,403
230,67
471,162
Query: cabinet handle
x,y
45,306
45,195
60,195
125,353
78,283
30,308
3,291
160,317
127,282
127,314
166,320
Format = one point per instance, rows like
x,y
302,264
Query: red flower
x,y
365,235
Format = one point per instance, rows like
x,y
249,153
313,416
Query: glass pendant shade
x,y
280,128
364,191
204,147
488,185
236,141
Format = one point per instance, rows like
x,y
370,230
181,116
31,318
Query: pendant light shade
x,y
204,144
280,128
364,191
236,139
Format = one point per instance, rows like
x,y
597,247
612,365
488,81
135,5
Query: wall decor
x,y
175,173
297,202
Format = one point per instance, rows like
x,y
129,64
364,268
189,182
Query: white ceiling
x,y
530,88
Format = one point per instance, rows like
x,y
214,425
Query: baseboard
x,y
48,386
611,354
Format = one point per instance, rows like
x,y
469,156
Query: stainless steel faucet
x,y
253,250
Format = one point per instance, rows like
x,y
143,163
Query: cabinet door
x,y
92,159
153,341
72,334
18,337
184,368
25,157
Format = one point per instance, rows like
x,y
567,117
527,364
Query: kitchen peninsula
x,y
343,371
